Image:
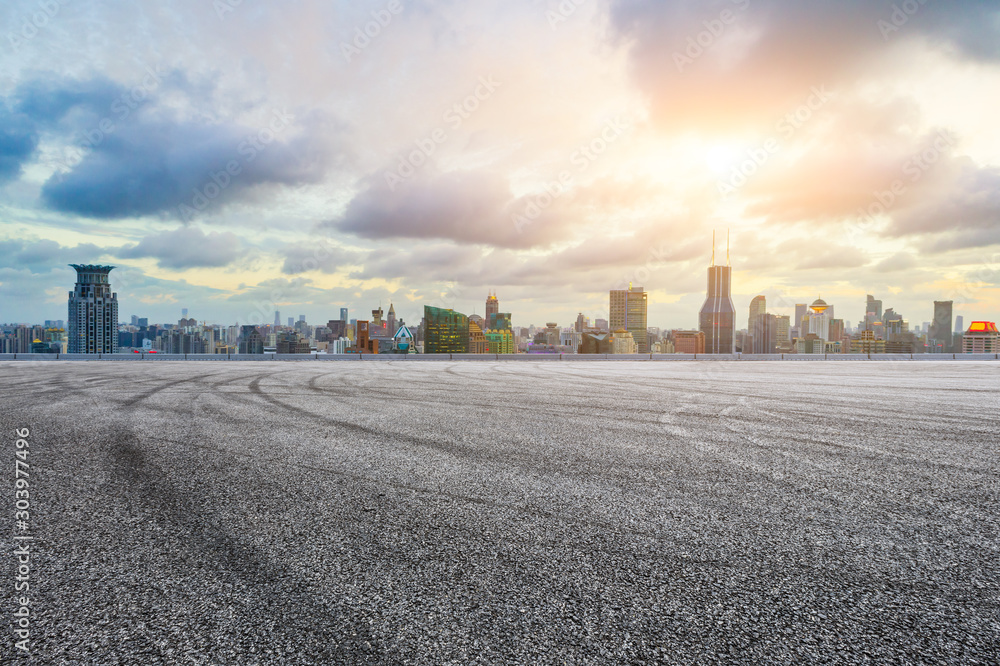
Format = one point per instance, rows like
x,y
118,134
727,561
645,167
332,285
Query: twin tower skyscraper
x,y
717,319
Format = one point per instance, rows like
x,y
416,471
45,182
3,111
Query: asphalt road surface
x,y
578,513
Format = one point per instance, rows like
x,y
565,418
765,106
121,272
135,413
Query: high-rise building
x,y
836,328
291,322
873,306
765,334
801,309
810,344
758,307
960,325
390,320
492,305
501,341
551,333
291,343
981,338
499,320
818,320
622,342
783,331
277,318
499,333
343,315
941,327
628,312
873,317
478,344
364,343
55,339
717,319
867,343
445,331
93,312
689,342
595,343
251,341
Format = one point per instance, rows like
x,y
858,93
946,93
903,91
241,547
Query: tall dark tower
x,y
93,312
718,316
941,328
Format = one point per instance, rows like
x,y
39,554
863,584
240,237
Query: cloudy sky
x,y
236,157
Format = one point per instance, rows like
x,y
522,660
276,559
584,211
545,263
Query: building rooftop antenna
x,y
727,247
713,247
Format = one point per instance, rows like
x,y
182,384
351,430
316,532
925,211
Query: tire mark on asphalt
x,y
453,449
421,490
304,621
131,402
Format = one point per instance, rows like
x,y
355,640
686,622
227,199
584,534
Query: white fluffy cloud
x,y
781,120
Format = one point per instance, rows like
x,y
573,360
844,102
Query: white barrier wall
x,y
500,357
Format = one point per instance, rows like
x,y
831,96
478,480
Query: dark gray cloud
x,y
901,261
463,206
181,168
764,56
18,142
127,156
434,262
938,243
48,99
187,247
43,255
758,251
320,256
966,205
21,288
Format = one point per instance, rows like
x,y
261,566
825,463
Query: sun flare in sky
x,y
231,158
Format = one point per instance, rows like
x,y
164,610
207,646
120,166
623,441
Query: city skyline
x,y
306,173
719,282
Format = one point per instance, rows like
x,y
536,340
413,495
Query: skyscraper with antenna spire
x,y
718,316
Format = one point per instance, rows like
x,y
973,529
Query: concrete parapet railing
x,y
146,356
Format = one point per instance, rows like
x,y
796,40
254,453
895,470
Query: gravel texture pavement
x,y
495,513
